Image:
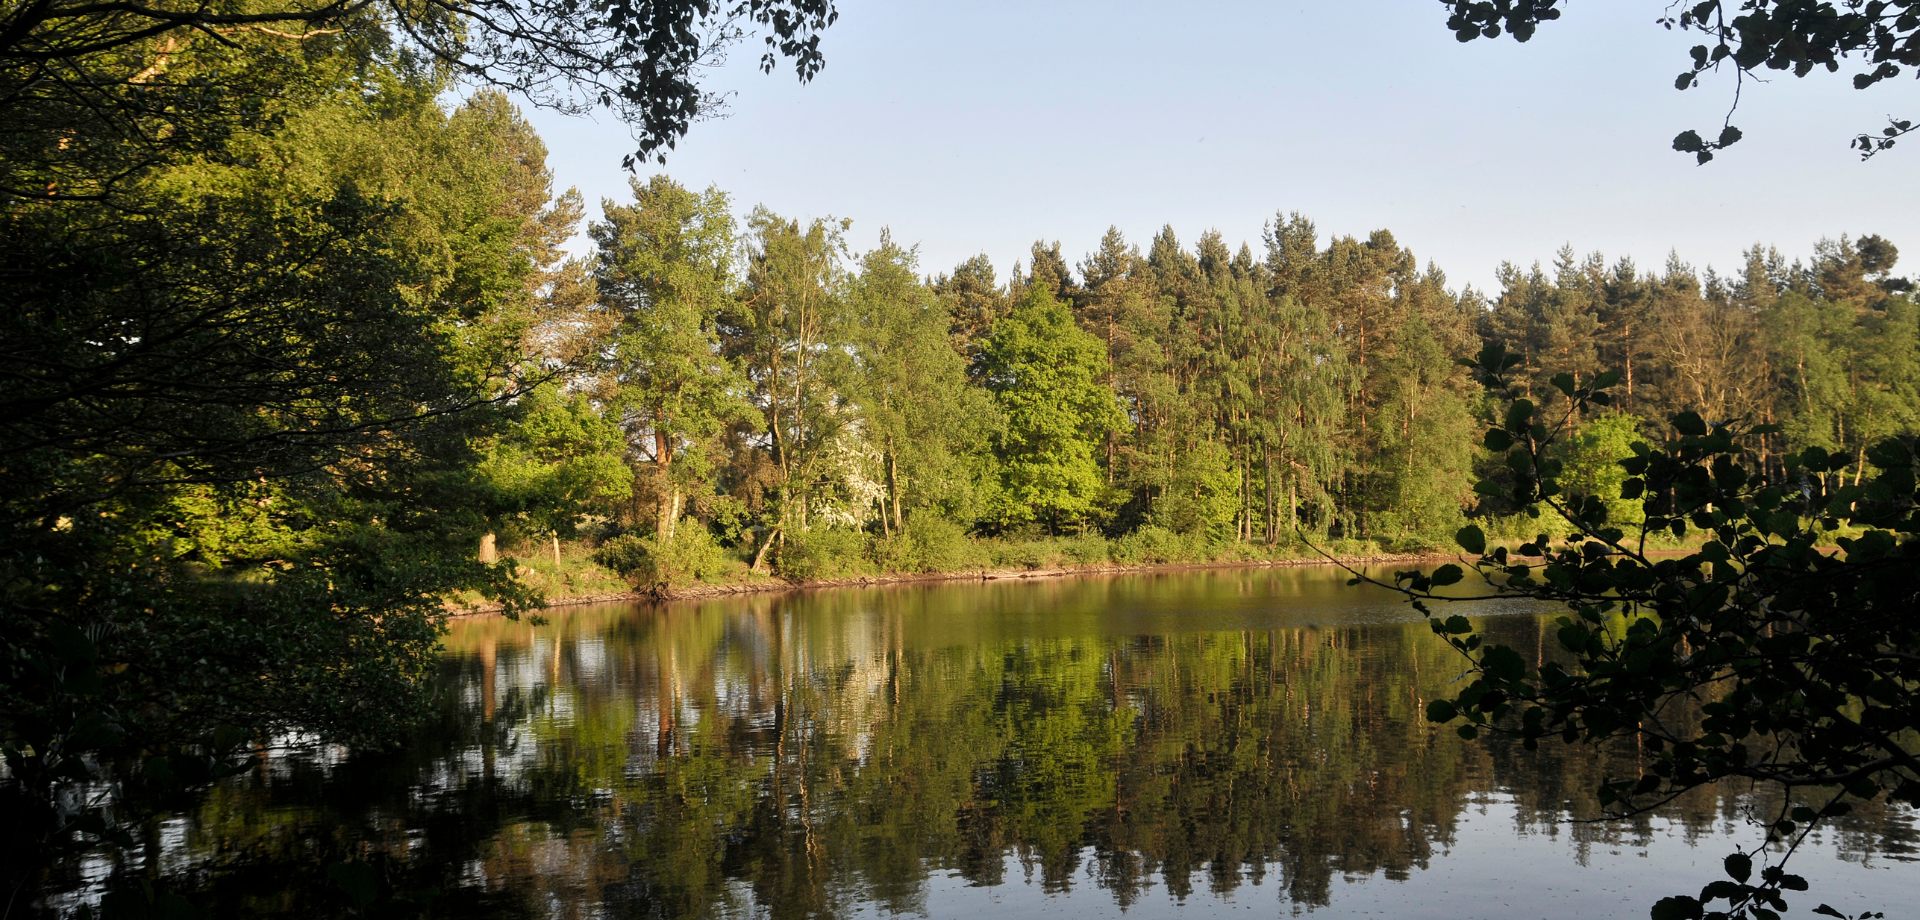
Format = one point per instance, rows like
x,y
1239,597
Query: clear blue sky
x,y
983,126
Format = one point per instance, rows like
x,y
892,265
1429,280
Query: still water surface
x,y
1213,743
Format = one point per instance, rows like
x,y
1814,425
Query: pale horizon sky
x,y
982,127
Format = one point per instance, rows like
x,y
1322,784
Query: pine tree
x,y
664,271
1115,306
1553,325
1706,353
1050,270
974,301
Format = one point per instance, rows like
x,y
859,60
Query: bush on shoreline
x,y
927,546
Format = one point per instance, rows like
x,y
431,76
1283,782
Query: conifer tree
x,y
1707,356
1120,305
974,301
665,274
1553,324
1626,319
1049,268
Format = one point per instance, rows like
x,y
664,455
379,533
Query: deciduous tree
x,y
1048,377
929,426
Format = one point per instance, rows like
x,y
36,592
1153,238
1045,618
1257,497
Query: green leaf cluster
x,y
1788,625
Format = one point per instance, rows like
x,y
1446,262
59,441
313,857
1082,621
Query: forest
x,y
751,394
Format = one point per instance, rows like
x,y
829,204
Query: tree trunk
x,y
1629,369
1266,489
489,549
1293,502
1246,497
670,513
893,486
556,552
760,557
669,502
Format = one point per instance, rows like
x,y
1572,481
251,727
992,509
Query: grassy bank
x,y
588,571
694,565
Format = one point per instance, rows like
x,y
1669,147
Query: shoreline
x,y
773,584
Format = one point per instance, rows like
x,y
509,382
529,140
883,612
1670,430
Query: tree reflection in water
x,y
813,753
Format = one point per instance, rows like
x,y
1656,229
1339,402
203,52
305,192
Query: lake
x,y
1198,743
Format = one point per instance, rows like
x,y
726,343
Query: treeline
x,y
1824,349
795,398
757,394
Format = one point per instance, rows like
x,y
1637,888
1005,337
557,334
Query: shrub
x,y
943,546
1087,549
652,563
1025,554
1510,528
929,543
893,553
627,554
1352,548
1153,544
816,554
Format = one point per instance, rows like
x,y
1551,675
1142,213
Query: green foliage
x,y
1086,549
1423,442
929,543
296,335
659,563
1156,545
156,83
1591,458
576,571
628,555
788,330
1804,657
1047,376
241,450
280,304
1202,495
557,461
1029,554
1041,552
1823,347
927,426
1847,376
664,275
822,553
